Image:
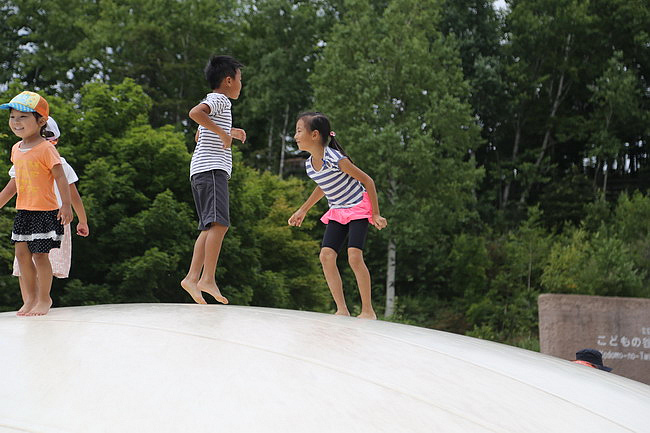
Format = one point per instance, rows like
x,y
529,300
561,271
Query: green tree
x,y
546,46
280,42
41,40
162,44
618,116
556,68
600,264
508,311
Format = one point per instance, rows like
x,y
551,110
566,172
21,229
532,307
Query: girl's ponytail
x,y
319,122
334,144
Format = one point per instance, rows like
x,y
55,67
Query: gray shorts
x,y
210,191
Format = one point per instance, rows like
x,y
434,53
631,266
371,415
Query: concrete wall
x,y
618,327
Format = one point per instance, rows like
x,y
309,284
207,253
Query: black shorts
x,y
210,191
335,233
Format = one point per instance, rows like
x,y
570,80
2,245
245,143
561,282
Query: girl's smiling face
x,y
305,139
24,124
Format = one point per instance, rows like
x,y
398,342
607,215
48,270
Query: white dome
x,y
194,368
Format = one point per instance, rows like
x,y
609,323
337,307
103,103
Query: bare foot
x,y
342,313
41,308
213,290
195,293
368,315
25,308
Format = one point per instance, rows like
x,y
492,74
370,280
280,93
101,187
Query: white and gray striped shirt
x,y
209,153
341,189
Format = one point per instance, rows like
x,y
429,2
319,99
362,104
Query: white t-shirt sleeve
x,y
70,174
12,172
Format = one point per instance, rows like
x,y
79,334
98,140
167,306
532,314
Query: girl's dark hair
x,y
43,132
220,67
319,122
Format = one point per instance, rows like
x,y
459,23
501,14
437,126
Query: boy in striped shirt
x,y
210,170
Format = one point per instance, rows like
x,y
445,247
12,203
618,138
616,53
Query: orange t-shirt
x,y
34,179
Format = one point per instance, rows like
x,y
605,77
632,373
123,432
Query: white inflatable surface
x,y
190,368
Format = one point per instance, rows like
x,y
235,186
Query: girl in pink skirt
x,y
352,199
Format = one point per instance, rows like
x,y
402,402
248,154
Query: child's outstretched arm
x,y
346,166
299,215
65,213
8,192
78,206
201,115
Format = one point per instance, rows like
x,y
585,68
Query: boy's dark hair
x,y
220,67
319,122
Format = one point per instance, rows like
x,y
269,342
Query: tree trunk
x,y
515,151
390,278
606,167
557,99
284,139
391,265
596,173
270,157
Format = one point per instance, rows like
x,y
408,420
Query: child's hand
x,y
239,134
297,218
82,229
227,141
65,214
379,221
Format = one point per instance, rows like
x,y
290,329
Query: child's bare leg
x,y
355,258
328,260
27,280
214,239
193,275
43,284
29,297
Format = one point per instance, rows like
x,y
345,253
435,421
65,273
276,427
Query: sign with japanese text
x,y
618,327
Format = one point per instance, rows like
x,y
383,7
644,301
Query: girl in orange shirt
x,y
38,225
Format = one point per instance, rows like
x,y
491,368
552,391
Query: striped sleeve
x,y
333,156
217,102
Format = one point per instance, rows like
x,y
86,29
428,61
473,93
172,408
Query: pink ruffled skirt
x,y
357,212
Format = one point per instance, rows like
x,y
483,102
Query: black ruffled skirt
x,y
39,228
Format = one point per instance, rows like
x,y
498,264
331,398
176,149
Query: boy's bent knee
x,y
218,227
